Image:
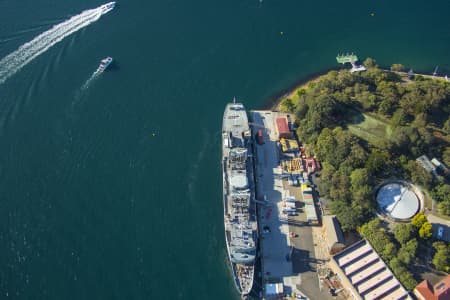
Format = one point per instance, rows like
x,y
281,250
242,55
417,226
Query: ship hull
x,y
238,196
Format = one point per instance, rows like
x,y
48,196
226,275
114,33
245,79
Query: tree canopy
x,y
441,257
404,232
398,258
416,119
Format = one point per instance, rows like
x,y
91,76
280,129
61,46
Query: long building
x,y
366,275
333,233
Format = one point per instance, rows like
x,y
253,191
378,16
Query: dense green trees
x,y
369,62
320,114
334,146
441,193
426,231
407,252
342,179
378,161
417,114
423,227
441,257
446,127
397,67
446,156
287,105
402,273
418,220
404,232
399,247
398,258
349,217
375,233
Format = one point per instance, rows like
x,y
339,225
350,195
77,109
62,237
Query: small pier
x,y
352,59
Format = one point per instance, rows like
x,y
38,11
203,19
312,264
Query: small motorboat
x,y
108,7
104,63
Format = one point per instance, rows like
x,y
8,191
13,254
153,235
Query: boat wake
x,y
86,85
101,68
88,82
15,61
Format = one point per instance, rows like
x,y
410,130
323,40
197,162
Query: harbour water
x,y
112,190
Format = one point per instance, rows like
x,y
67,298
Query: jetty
x,y
352,59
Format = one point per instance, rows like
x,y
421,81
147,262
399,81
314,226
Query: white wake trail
x,y
13,62
88,82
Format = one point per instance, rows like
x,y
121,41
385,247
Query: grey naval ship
x,y
238,196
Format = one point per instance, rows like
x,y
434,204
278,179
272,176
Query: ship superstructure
x,y
238,196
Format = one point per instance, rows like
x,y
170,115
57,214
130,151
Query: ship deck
x,y
239,209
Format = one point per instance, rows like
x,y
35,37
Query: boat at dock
x,y
241,230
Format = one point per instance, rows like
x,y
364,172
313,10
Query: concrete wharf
x,y
290,249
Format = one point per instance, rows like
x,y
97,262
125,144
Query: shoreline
x,y
273,102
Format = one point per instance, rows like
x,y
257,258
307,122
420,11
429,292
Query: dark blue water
x,y
113,191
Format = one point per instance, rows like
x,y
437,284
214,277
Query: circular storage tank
x,y
398,201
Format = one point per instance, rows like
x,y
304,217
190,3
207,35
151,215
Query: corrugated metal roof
x,y
369,282
282,125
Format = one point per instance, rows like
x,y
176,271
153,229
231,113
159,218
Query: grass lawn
x,y
367,127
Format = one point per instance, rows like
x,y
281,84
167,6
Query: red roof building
x,y
283,128
311,165
440,291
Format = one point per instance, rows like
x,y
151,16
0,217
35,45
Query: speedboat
x,y
104,64
108,7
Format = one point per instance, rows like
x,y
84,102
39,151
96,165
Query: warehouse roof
x,y
368,274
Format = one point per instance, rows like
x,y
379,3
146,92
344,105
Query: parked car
x,y
440,232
